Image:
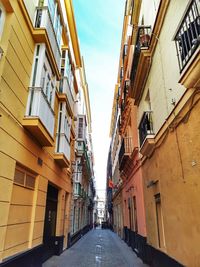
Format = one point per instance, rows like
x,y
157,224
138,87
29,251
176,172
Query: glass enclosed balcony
x,y
66,90
39,118
62,155
44,21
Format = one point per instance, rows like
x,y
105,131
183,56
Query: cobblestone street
x,y
98,248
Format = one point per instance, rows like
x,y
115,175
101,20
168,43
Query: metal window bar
x,y
126,148
142,43
187,38
146,126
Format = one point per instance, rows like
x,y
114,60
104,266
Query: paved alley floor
x,y
98,248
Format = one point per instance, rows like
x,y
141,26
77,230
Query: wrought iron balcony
x,y
146,126
125,151
187,38
142,43
43,20
39,118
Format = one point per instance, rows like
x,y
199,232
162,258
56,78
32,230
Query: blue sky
x,y
99,25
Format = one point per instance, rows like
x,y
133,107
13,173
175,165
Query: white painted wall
x,y
148,12
162,81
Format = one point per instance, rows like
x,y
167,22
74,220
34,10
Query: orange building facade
x,y
128,198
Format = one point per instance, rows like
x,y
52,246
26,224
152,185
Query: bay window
x,y
42,91
63,132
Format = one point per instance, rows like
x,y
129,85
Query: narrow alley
x,y
98,248
99,127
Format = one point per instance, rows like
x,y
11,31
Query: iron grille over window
x,y
125,150
146,126
142,43
188,36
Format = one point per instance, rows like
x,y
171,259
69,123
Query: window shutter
x,y
80,128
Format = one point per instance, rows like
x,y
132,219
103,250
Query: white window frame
x,y
2,19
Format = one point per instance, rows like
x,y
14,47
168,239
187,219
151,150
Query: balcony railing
x,y
142,42
43,20
188,36
146,126
64,88
126,148
63,145
40,107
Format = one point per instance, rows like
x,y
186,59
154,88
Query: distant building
x,y
100,207
83,174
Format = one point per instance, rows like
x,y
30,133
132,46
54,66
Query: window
x,y
46,84
24,178
159,221
63,131
52,7
2,19
146,126
43,76
67,127
188,34
81,128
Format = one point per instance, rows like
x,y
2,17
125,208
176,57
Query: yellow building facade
x,y
37,131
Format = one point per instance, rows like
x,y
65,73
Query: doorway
x,y
50,222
